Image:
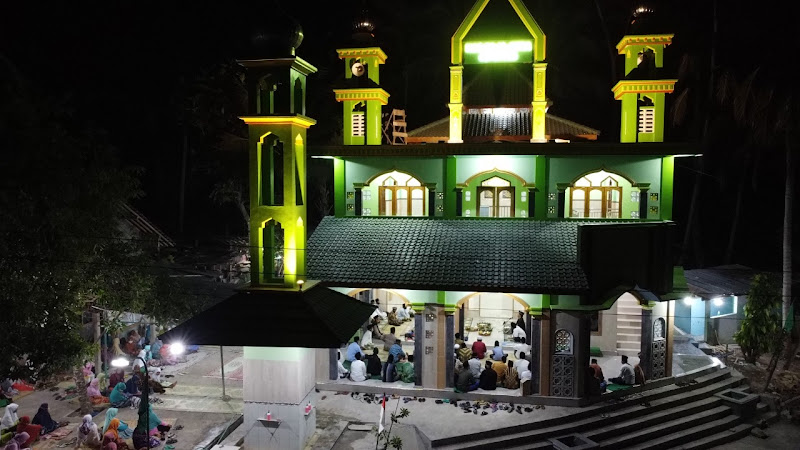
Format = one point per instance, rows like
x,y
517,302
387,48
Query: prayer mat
x,y
595,351
234,370
171,421
59,433
617,387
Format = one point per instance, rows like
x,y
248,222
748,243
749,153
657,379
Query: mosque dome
x,y
363,29
277,35
646,20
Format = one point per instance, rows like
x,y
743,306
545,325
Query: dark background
x,y
153,74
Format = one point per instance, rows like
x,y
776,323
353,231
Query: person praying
x,y
501,368
488,378
43,418
374,364
377,313
497,351
626,374
405,370
358,370
396,350
393,319
389,339
350,355
404,313
88,434
518,334
479,348
366,339
511,380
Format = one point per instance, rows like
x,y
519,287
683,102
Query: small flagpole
x,y
383,412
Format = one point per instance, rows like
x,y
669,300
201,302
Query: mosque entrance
x,y
489,316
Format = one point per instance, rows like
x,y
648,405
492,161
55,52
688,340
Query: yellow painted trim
x,y
301,121
362,94
645,39
456,52
362,52
642,87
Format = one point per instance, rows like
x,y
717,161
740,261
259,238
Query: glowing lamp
x,y
120,362
718,302
688,300
508,51
177,348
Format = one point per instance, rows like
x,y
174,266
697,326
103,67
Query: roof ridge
x,y
428,126
575,124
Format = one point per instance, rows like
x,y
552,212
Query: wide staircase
x,y
687,416
629,326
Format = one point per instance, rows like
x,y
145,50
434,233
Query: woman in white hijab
x,y
88,434
10,417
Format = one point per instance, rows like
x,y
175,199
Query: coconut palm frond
x,y
679,108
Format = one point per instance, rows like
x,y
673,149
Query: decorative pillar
x,y
280,381
532,203
646,344
644,188
562,198
358,200
536,351
431,199
544,353
333,366
459,202
419,336
456,104
449,343
539,104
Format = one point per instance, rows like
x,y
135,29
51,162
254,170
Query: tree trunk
x,y
98,358
245,215
735,223
786,291
83,396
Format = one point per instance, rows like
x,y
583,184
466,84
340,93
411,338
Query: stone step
x,y
634,311
629,344
685,435
637,336
723,437
648,434
609,431
589,418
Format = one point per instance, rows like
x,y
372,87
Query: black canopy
x,y
316,317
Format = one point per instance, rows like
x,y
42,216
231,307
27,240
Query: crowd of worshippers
x,y
17,432
359,365
470,373
596,384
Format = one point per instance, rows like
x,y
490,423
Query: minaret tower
x,y
360,92
643,89
277,124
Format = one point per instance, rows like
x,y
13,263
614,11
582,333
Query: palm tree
x,y
767,104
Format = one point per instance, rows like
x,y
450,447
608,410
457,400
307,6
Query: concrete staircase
x,y
687,416
629,326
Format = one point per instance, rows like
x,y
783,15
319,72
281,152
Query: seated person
x,y
397,350
358,370
33,431
522,364
466,382
389,339
497,351
626,374
18,441
393,319
10,417
389,373
366,339
112,436
475,366
511,380
343,373
405,370
488,379
404,313
120,399
518,334
479,348
117,376
374,364
598,373
377,313
501,368
43,418
464,353
157,426
88,434
377,334
352,349
458,366
133,385
460,342
410,335
93,391
639,377
155,349
123,429
593,388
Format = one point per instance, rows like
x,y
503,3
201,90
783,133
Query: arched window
x,y
597,195
400,195
563,342
659,329
496,198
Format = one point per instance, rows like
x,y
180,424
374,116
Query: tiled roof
x,y
477,125
329,318
498,255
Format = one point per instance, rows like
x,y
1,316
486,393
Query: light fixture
x,y
177,348
120,362
300,284
688,300
718,301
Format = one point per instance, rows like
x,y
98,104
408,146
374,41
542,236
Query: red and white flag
x,y
383,414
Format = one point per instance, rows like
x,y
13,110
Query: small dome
x,y
363,29
645,20
276,37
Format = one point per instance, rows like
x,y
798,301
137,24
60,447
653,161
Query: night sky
x,y
126,67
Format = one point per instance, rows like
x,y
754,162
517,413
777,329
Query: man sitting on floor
x,y
500,367
397,350
405,313
343,373
626,375
377,312
497,351
475,366
518,334
374,364
393,319
488,380
405,370
466,382
479,348
358,370
522,364
352,349
389,339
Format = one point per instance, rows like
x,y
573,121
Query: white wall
x,y
607,340
493,305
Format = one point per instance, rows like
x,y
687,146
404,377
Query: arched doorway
x,y
488,315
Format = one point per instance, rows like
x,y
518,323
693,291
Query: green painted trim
x,y
540,195
339,187
449,190
667,178
440,297
629,123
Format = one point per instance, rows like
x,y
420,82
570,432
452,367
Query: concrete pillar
x,y
645,349
544,354
333,365
449,343
570,329
536,352
419,351
280,381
